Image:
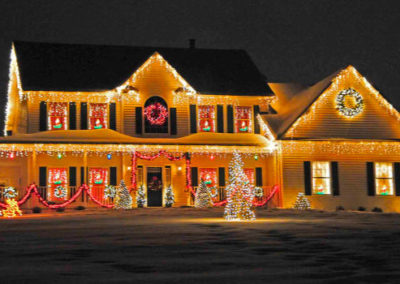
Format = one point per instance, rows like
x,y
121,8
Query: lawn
x,y
198,246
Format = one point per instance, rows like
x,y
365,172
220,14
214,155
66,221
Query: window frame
x,y
214,119
49,117
106,117
250,119
391,179
328,178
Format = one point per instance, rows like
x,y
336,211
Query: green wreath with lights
x,y
349,111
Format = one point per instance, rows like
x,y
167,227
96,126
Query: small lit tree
x,y
12,209
169,197
301,203
203,196
240,193
141,197
123,199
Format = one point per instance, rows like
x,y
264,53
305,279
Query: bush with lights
x,y
169,197
123,199
203,197
240,193
302,203
141,197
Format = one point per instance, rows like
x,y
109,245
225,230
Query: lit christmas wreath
x,y
349,111
258,192
109,191
10,192
60,192
156,114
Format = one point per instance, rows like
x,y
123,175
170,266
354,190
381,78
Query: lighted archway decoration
x,y
346,110
156,113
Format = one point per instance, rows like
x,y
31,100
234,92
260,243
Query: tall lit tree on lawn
x,y
123,199
240,193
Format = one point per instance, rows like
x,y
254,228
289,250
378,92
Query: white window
x,y
321,177
384,178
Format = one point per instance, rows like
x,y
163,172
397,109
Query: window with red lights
x,y
206,118
57,116
57,184
209,175
243,119
98,180
98,114
250,175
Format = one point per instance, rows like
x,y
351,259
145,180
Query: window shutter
x,y
256,111
220,118
113,116
335,178
43,116
221,176
193,119
259,178
229,110
72,116
307,178
113,176
397,178
139,120
82,175
84,117
42,176
72,176
195,178
371,178
172,115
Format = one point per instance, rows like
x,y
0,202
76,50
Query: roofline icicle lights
x,y
334,87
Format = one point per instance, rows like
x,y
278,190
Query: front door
x,y
154,186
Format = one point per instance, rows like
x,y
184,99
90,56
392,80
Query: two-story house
x,y
170,117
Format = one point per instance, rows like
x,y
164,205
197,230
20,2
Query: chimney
x,y
192,43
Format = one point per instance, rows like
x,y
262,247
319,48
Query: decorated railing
x,y
268,193
40,194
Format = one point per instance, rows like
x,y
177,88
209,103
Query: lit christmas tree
x,y
169,197
12,209
302,202
203,196
240,193
141,197
123,199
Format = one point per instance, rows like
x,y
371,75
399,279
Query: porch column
x,y
85,177
133,170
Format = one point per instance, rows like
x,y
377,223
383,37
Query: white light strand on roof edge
x,y
332,148
13,70
107,148
336,88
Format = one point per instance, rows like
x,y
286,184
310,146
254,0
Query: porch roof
x,y
108,136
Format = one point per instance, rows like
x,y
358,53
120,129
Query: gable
x,y
322,120
156,77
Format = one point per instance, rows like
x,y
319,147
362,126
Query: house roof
x,y
289,110
73,67
108,136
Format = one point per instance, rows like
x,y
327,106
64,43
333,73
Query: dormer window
x,y
243,119
206,118
98,114
57,116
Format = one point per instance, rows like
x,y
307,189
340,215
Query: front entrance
x,y
154,186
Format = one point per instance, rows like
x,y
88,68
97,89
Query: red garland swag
x,y
156,114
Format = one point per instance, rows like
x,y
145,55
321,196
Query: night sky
x,y
289,40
